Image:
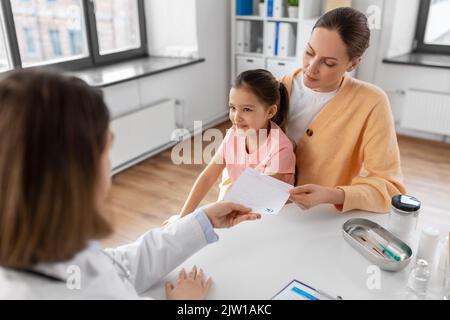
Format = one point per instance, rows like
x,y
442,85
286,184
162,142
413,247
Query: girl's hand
x,y
189,286
226,214
311,195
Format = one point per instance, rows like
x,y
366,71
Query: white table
x,y
255,260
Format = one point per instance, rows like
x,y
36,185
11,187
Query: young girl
x,y
258,110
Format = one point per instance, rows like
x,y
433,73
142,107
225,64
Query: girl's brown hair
x,y
352,27
53,130
268,90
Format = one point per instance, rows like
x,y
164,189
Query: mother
x,y
342,126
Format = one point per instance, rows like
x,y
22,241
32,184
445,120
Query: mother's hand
x,y
311,195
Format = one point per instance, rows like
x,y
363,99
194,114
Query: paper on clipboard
x,y
297,290
261,193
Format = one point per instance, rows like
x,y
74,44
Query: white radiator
x,y
427,111
141,131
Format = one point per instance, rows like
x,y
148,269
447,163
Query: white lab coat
x,y
148,260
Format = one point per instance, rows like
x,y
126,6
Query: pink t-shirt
x,y
274,156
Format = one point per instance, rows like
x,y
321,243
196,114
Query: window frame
x,y
10,63
93,58
422,20
117,56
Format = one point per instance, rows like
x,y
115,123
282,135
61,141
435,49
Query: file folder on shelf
x,y
271,38
286,40
277,33
278,8
242,36
244,7
269,8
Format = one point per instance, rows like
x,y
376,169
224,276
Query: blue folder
x,y
277,33
244,7
269,8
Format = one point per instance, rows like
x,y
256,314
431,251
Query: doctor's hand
x,y
189,286
226,214
311,195
171,219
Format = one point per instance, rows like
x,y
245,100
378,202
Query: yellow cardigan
x,y
354,132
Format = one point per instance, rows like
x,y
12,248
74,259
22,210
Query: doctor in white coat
x,y
54,178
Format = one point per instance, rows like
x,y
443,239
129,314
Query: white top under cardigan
x,y
305,105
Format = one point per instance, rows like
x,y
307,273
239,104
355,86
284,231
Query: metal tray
x,y
377,244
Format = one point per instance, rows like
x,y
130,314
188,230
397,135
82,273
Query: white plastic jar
x,y
404,217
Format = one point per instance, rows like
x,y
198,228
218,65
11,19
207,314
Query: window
x,y
29,39
433,27
117,24
76,42
56,43
5,61
74,33
118,30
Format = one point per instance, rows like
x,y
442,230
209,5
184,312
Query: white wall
x,y
202,89
396,38
403,26
366,70
172,27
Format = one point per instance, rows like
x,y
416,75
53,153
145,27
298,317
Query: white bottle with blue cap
x,y
404,217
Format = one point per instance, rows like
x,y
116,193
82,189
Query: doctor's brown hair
x,y
53,130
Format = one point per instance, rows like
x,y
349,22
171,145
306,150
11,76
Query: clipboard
x,y
296,290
